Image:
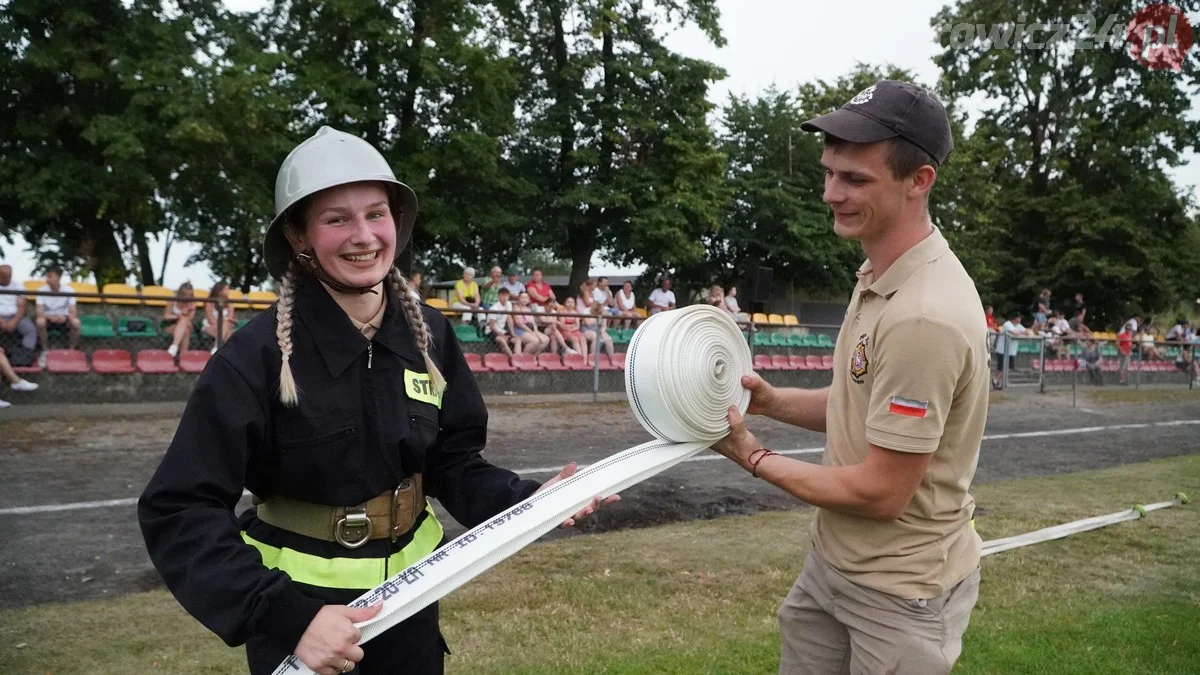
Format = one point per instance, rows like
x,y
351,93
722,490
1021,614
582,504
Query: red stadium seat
x,y
498,363
781,362
156,361
618,360
763,362
1036,364
111,361
27,370
606,363
475,362
66,361
798,362
814,362
193,360
575,362
525,362
551,362
827,362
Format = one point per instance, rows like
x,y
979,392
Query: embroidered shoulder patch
x,y
908,407
419,388
858,359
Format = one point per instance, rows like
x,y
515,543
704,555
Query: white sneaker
x,y
42,360
173,350
213,351
24,385
571,351
4,404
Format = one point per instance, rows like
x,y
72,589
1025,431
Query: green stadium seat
x,y
466,334
762,339
127,326
96,326
795,340
825,341
810,340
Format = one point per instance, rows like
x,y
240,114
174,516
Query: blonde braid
x,y
420,330
289,394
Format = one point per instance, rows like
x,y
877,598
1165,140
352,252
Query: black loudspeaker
x,y
760,284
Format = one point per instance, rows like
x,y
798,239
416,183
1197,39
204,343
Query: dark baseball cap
x,y
890,109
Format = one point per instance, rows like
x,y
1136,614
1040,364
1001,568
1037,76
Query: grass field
x,y
700,597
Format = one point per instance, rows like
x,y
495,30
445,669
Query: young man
x,y
12,311
662,298
56,313
893,572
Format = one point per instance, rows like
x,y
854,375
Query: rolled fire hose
x,y
683,371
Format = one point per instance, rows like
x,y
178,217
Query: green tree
x,y
1075,141
613,132
86,144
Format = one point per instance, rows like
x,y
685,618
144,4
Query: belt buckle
x,y
354,529
404,485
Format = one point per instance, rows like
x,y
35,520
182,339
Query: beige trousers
x,y
829,625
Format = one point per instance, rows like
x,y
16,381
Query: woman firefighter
x,y
341,411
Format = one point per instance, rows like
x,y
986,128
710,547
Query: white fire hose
x,y
683,371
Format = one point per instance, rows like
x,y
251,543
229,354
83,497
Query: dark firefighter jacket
x,y
355,433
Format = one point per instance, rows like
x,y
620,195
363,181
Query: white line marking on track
x,y
79,506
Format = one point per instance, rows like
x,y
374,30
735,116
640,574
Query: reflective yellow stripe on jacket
x,y
350,573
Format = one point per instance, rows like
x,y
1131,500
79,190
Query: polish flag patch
x,y
908,407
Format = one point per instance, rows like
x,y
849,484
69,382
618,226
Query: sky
x,y
769,42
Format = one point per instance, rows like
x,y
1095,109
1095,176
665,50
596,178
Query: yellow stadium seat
x,y
34,285
790,320
237,299
640,312
120,289
775,319
200,293
759,317
437,303
261,299
81,287
160,294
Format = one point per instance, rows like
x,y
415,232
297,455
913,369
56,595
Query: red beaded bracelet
x,y
755,462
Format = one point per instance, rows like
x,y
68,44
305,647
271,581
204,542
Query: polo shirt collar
x,y
926,251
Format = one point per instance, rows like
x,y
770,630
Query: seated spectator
x,y
1091,360
1185,362
1179,332
604,295
731,305
626,305
489,291
1125,353
662,298
1145,338
497,324
466,295
585,300
12,312
716,296
1077,324
528,338
15,382
539,291
594,328
513,284
414,286
1057,331
178,316
56,313
990,318
219,315
549,321
570,326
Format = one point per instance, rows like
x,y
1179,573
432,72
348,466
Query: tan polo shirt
x,y
910,374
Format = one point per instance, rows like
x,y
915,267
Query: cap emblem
x,y
863,96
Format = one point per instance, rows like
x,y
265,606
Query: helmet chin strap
x,y
310,265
